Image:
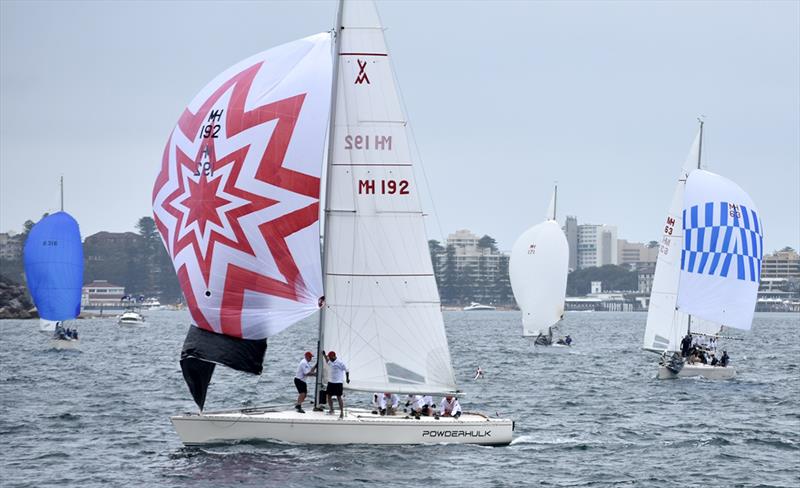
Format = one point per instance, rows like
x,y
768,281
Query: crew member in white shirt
x,y
388,403
428,406
376,402
304,369
414,404
449,407
338,373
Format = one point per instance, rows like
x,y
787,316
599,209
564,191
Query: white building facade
x,y
597,245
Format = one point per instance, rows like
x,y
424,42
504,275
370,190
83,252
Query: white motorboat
x,y
131,318
380,310
538,271
707,271
476,307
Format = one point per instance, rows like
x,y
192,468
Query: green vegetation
x,y
613,277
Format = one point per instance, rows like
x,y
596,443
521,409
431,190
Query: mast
x,y
699,154
700,145
555,200
62,193
335,82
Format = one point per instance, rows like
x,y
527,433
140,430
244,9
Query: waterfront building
x,y
645,278
481,270
635,254
102,294
11,246
783,264
597,245
480,263
571,232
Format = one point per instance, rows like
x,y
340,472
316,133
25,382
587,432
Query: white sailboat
x,y
538,271
478,307
708,268
248,278
53,258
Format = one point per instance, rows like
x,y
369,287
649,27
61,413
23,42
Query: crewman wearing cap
x,y
338,373
305,368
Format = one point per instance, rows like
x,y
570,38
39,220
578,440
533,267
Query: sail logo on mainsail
x,y
362,73
722,239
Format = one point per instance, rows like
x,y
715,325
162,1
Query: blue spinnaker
x,y
54,266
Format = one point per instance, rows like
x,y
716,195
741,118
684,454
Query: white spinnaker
x,y
538,272
237,214
665,325
382,312
721,259
707,327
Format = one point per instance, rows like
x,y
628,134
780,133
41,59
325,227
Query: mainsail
x,y
382,313
53,258
721,256
237,204
538,271
665,325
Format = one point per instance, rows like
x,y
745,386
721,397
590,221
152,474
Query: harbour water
x,y
591,415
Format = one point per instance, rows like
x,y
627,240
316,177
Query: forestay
x,y
237,198
666,326
721,257
538,271
53,257
382,313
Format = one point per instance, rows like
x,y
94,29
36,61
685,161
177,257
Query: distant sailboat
x,y
708,267
53,259
237,204
538,272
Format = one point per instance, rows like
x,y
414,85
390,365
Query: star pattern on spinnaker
x,y
225,204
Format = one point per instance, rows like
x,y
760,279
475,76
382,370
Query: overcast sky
x,y
504,98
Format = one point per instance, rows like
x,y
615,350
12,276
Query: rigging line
x,y
410,130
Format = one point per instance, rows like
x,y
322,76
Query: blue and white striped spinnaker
x,y
722,251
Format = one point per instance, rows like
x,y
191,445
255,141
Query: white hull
x,y
477,308
695,370
359,426
132,319
47,326
64,344
132,323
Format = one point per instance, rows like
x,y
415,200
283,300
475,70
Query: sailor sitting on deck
x,y
428,406
376,403
449,407
388,403
724,359
414,405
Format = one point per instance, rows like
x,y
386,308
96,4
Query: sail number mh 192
x,y
383,187
376,143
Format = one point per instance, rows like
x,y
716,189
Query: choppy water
x,y
589,416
